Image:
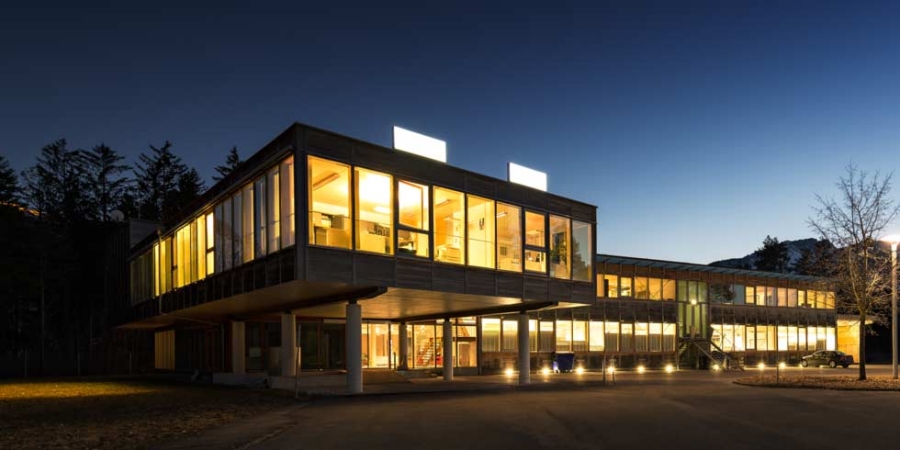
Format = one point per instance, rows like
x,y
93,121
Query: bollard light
x,y
545,371
716,367
761,366
579,370
641,369
611,369
782,365
670,368
509,372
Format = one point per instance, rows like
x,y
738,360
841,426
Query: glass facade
x,y
442,224
230,233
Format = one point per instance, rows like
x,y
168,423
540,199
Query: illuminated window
x,y
510,335
509,237
560,257
449,218
596,336
329,203
273,209
547,338
782,296
374,220
801,299
669,340
792,298
210,244
750,295
829,300
579,335
535,242
563,335
480,231
656,330
259,217
219,243
625,287
655,288
611,330
582,260
200,247
668,289
641,288
412,215
287,202
626,342
641,334
771,300
611,283
490,334
156,271
247,223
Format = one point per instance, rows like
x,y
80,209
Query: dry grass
x,y
845,383
74,414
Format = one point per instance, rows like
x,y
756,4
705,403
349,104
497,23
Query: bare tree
x,y
853,223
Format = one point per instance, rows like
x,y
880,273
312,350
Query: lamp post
x,y
893,240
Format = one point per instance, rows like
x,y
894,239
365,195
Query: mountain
x,y
795,249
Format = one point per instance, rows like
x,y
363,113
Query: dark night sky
x,y
697,128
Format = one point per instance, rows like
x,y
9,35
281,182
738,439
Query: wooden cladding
x,y
363,269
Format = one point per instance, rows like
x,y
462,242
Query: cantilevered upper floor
x,y
425,238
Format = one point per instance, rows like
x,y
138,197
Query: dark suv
x,y
827,357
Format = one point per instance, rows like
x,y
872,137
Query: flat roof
x,y
675,265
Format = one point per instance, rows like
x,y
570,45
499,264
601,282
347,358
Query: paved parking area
x,y
652,410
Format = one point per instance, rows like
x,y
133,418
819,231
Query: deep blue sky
x,y
696,128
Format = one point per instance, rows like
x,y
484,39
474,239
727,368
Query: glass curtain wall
x,y
412,219
509,237
329,203
449,216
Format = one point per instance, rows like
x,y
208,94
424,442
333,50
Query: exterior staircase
x,y
691,349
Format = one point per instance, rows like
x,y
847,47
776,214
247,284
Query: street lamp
x,y
893,240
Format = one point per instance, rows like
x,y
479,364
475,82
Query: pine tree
x,y
817,261
157,176
56,184
108,183
772,256
9,184
231,163
190,186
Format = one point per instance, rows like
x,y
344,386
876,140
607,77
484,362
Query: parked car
x,y
827,357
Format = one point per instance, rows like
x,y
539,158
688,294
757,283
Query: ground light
x,y
611,369
761,366
782,365
545,371
670,368
641,369
716,367
579,370
509,372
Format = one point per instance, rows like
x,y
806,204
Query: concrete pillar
x,y
237,348
524,350
354,348
447,339
288,344
404,348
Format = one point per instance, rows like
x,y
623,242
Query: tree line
x,y
55,220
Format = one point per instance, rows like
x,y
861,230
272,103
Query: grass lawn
x,y
119,414
845,383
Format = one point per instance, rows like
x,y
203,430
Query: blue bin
x,y
564,362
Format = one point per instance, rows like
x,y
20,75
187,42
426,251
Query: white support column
x,y
524,350
288,344
404,348
447,338
237,348
354,348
